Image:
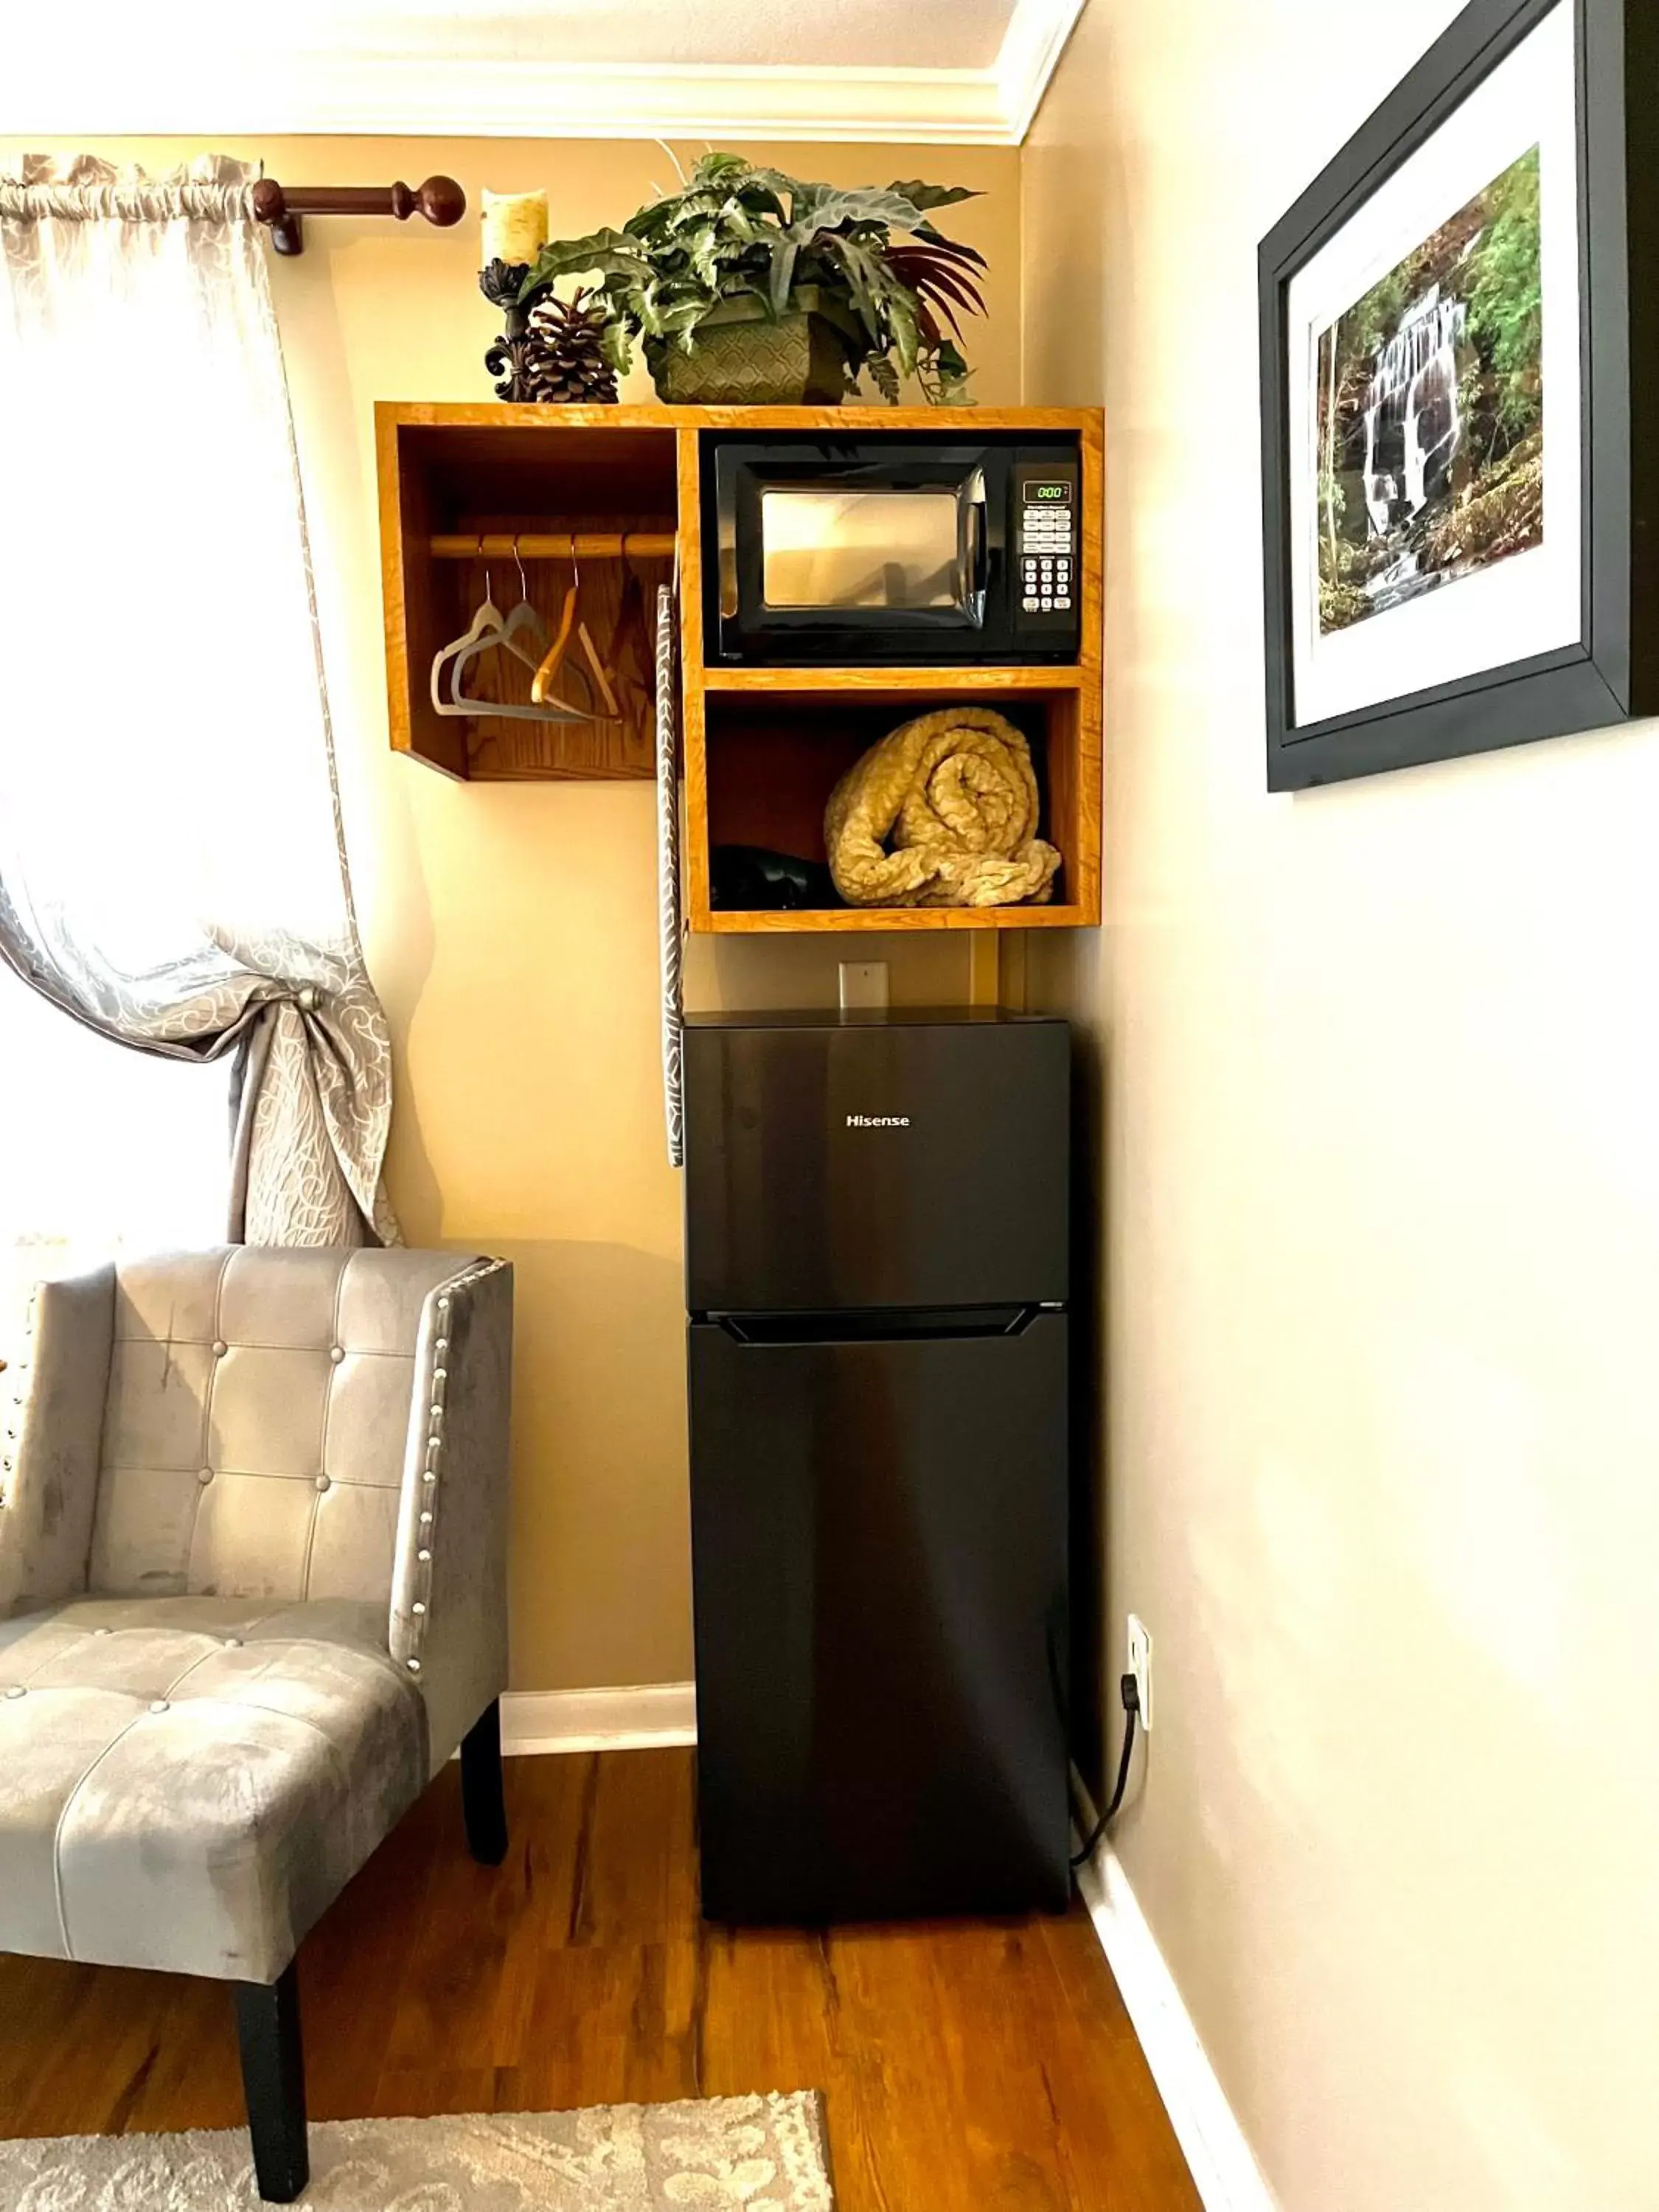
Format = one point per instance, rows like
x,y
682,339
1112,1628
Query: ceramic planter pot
x,y
745,357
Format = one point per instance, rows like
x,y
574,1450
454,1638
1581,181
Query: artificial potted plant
x,y
750,287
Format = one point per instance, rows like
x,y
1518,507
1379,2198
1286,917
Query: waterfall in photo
x,y
1414,425
1428,395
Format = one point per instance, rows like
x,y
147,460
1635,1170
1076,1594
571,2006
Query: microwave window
x,y
861,549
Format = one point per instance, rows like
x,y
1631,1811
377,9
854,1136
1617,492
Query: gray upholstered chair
x,y
253,1596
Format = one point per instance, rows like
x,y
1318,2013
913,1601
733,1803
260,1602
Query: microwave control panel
x,y
1048,556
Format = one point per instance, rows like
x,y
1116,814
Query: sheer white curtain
x,y
170,866
102,1152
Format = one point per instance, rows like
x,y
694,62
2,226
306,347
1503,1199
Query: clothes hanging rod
x,y
557,545
439,199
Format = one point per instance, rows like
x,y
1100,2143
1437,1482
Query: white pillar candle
x,y
514,226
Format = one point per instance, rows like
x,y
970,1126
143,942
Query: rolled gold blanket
x,y
954,792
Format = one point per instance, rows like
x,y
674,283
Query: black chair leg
x,y
482,1800
274,2083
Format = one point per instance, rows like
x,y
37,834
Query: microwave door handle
x,y
979,541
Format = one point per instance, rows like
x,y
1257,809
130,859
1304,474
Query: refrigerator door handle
x,y
874,1326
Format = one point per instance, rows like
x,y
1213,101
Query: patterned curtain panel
x,y
172,868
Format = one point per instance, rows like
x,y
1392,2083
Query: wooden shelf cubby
x,y
771,758
762,747
496,473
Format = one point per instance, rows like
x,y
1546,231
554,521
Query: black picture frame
x,y
1611,674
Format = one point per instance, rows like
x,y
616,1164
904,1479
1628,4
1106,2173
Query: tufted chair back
x,y
259,1422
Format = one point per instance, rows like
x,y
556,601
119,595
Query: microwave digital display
x,y
900,548
861,548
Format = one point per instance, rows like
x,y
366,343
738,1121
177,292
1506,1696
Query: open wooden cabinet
x,y
612,495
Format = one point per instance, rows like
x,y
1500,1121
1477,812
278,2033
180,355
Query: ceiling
x,y
947,71
829,34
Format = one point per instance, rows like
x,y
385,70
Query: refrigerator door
x,y
880,1530
907,1160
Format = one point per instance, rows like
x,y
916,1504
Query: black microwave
x,y
894,549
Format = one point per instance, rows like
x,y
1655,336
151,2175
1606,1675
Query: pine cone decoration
x,y
564,364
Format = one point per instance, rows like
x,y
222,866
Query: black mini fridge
x,y
877,1266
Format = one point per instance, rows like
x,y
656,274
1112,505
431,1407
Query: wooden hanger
x,y
541,687
492,631
543,682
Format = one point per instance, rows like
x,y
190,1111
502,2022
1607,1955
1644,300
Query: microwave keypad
x,y
1048,548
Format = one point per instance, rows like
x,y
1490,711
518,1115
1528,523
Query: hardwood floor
x,y
986,2064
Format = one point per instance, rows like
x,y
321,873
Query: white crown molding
x,y
1223,2166
115,90
1031,48
644,1718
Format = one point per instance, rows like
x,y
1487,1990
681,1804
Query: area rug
x,y
762,2154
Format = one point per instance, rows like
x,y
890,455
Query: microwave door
x,y
834,551
881,550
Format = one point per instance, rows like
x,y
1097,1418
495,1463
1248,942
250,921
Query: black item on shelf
x,y
892,549
878,1209
752,878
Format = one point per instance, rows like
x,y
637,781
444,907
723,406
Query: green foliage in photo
x,y
1506,298
1478,283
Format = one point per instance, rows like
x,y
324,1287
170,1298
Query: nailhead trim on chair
x,y
435,1442
18,1393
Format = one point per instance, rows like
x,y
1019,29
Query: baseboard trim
x,y
643,1716
652,1714
1224,2169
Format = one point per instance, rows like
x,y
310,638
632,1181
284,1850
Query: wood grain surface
x,y
451,472
968,2066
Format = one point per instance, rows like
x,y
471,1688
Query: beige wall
x,y
1379,1149
512,928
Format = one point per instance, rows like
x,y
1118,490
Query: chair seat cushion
x,y
188,1783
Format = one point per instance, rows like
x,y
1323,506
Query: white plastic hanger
x,y
490,631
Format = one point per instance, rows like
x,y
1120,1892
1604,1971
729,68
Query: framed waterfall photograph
x,y
1460,499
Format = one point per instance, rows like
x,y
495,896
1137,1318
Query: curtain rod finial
x,y
439,199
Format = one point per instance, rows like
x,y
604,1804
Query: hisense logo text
x,y
878,1121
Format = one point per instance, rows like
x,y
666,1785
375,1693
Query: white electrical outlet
x,y
1140,1666
863,983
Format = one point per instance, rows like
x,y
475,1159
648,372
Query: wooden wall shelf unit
x,y
617,491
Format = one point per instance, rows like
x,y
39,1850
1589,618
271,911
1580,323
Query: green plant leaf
x,y
786,251
757,197
780,187
881,211
827,207
607,250
681,316
907,336
699,253
934,195
720,164
860,270
736,231
885,377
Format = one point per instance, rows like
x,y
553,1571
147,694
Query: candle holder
x,y
552,352
508,358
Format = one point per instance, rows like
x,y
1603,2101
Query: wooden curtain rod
x,y
557,546
439,199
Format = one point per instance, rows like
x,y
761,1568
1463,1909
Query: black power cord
x,y
1129,1691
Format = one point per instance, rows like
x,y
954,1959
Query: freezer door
x,y
879,1540
915,1161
